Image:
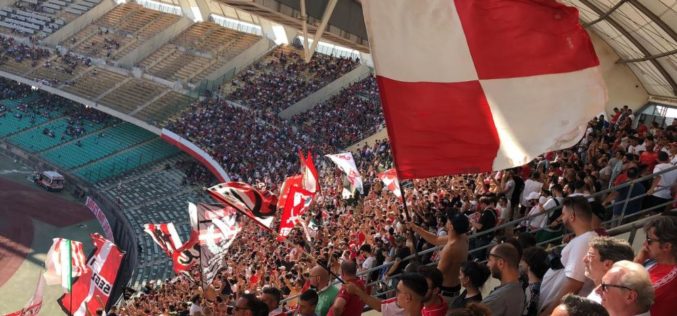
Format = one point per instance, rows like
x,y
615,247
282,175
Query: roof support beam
x,y
654,18
607,14
635,42
304,27
652,57
328,11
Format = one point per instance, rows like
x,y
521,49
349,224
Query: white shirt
x,y
530,186
593,296
368,263
667,180
572,260
194,308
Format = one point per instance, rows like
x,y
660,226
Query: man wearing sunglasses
x,y
659,256
626,290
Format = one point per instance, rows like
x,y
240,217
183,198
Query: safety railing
x,y
612,225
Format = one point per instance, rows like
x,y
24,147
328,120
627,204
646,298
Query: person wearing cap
x,y
454,253
535,221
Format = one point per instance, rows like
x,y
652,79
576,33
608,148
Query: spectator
x,y
346,303
659,256
577,217
508,298
535,263
602,254
307,303
660,189
319,279
623,198
472,276
626,290
454,252
487,220
433,303
249,305
411,291
272,296
573,305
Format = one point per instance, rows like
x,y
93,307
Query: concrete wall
x,y
624,88
83,101
326,92
79,23
243,60
154,43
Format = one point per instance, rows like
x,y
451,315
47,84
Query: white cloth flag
x,y
65,261
346,163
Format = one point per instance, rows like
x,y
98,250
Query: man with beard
x,y
508,298
577,217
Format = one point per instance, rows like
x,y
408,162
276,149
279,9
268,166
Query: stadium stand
x,y
196,52
94,83
131,94
159,111
282,78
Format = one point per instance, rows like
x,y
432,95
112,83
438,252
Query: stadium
x,y
343,157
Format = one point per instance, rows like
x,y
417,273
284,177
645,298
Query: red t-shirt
x,y
664,280
649,158
354,304
435,310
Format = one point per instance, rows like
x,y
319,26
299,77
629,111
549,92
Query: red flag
x,y
311,181
188,255
498,83
34,305
389,178
257,205
289,182
298,202
98,281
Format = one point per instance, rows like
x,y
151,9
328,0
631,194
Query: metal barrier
x,y
612,225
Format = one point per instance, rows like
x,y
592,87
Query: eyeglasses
x,y
497,256
605,287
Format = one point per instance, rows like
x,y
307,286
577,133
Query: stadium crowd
x,y
551,200
11,50
352,115
283,78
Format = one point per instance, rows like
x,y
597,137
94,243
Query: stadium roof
x,y
642,32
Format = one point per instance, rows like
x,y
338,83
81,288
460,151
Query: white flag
x,y
65,260
346,163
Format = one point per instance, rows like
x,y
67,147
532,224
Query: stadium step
x,y
31,127
143,106
74,170
117,85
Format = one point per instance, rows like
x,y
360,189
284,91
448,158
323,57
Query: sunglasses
x,y
605,287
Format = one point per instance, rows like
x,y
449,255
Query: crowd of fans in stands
x,y
554,192
10,49
283,78
352,115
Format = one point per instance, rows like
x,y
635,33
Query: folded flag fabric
x,y
165,236
256,204
472,86
65,261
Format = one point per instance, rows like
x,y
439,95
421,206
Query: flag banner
x,y
311,181
196,152
100,216
165,236
298,202
389,178
65,260
218,228
346,163
258,205
32,308
188,255
485,85
289,182
92,289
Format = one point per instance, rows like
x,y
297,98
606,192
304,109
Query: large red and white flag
x,y
289,182
32,308
389,178
478,85
298,202
94,287
65,261
259,205
346,163
165,236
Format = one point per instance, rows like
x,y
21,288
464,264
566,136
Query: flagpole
x,y
406,212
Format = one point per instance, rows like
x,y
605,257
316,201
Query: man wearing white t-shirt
x,y
661,187
577,217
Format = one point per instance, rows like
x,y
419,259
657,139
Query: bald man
x,y
319,279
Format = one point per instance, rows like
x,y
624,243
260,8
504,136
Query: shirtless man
x,y
454,253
